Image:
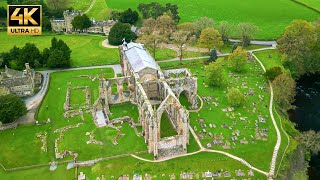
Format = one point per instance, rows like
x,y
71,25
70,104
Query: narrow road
x,y
261,43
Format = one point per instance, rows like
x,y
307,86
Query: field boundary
x,y
307,6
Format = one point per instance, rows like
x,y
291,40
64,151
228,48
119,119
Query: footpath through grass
x,y
270,16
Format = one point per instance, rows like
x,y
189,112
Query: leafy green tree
x,y
238,59
81,22
210,38
246,32
284,88
299,45
115,15
213,55
311,141
120,31
234,47
235,97
11,108
204,23
155,10
224,29
214,74
3,12
55,59
29,54
46,24
273,72
129,16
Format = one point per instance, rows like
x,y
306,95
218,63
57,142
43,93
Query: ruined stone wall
x,y
181,81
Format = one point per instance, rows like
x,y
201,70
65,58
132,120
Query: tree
x,y
46,24
152,42
120,31
181,39
115,15
296,46
311,141
188,26
234,47
204,23
155,10
246,32
238,59
81,22
224,29
213,55
58,6
273,72
235,97
214,74
210,38
129,16
3,12
11,108
284,88
59,54
165,25
155,32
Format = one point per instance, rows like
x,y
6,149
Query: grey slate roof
x,y
139,58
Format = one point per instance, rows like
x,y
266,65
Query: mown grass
x,y
270,58
196,163
315,4
270,16
86,49
42,173
100,10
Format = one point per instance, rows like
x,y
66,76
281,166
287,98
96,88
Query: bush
x,y
120,31
273,72
214,74
235,97
11,108
213,55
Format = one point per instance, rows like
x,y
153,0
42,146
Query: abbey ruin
x,y
156,92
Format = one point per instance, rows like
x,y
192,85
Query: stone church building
x,y
156,92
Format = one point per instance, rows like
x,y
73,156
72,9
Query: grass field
x,y
315,4
196,163
100,10
269,58
270,16
86,49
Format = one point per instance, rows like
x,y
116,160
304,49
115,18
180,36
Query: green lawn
x,y
100,10
270,16
42,173
311,3
269,58
86,49
166,128
196,163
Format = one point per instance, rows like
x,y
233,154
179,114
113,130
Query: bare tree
x,y
311,141
181,39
